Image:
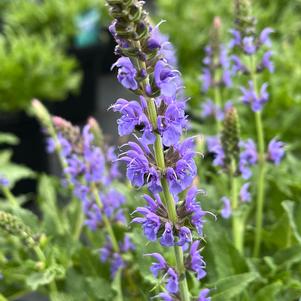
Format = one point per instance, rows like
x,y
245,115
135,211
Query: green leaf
x,y
8,138
232,286
42,278
287,257
48,204
268,292
290,208
14,172
225,259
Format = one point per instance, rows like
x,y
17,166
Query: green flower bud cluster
x,y
14,226
245,22
230,137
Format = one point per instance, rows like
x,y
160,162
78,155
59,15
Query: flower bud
x,y
230,137
12,225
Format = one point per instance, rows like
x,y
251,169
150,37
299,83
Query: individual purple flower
x,y
236,38
248,157
137,164
185,236
244,193
160,41
167,238
206,79
195,261
264,37
203,296
266,61
165,297
276,151
226,211
238,65
194,209
250,97
4,182
249,46
172,123
172,284
214,146
165,79
150,223
132,117
126,73
158,266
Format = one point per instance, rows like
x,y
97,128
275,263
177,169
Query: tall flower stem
x,y
218,104
168,198
261,170
237,221
260,185
105,219
9,196
112,236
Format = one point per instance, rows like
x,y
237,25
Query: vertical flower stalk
x,y
159,159
90,167
230,144
253,60
216,76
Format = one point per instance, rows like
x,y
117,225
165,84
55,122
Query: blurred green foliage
x,y
188,25
34,41
55,16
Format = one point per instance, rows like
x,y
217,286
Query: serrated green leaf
x,y
232,286
289,207
268,292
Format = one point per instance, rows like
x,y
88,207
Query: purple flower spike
x,y
226,211
126,73
276,151
172,284
167,238
244,193
203,296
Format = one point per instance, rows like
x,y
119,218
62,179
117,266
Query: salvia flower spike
x,y
158,159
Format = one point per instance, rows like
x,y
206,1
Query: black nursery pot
x,y
31,149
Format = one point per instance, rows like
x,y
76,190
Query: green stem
x,y
10,197
79,220
105,219
260,185
40,254
218,104
261,168
237,221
